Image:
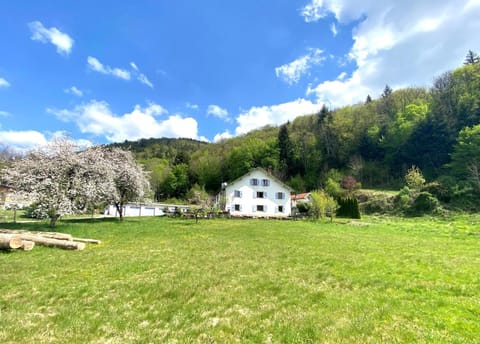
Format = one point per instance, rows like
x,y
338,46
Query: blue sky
x,y
107,71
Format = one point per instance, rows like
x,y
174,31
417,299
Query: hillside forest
x,y
436,130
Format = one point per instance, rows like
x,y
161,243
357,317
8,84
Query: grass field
x,y
159,280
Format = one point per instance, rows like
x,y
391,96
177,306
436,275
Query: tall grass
x,y
157,280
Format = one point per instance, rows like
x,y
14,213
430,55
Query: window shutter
x,y
254,208
240,194
265,208
254,194
265,194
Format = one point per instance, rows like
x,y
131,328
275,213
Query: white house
x,y
258,194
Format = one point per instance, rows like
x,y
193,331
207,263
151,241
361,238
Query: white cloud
x,y
121,73
96,118
144,80
74,90
217,111
62,41
258,117
4,113
134,66
95,65
222,136
22,140
333,28
192,106
4,83
292,72
400,43
314,11
28,139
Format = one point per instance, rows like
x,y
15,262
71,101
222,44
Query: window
x,y
259,194
254,181
261,208
280,195
265,182
237,207
237,193
280,208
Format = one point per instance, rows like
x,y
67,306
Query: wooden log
x,y
27,245
10,241
88,241
64,244
52,235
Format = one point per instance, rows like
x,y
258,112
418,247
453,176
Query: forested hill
x,y
174,150
435,128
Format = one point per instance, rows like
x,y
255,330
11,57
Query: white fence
x,y
146,209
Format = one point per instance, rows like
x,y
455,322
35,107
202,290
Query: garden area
x,y
379,279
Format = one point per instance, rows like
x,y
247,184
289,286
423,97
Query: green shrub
x,y
348,207
378,204
333,188
414,178
440,191
303,208
321,204
403,200
425,203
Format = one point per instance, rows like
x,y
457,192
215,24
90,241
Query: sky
x,y
108,71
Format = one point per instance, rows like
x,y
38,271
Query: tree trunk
x,y
10,241
53,220
120,210
27,245
65,244
88,241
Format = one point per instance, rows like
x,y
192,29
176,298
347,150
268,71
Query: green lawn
x,y
159,280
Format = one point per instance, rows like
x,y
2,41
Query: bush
x,y
333,188
414,178
378,204
438,190
403,200
303,208
425,203
348,207
321,204
34,211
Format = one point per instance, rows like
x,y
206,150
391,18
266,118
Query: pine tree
x,y
471,58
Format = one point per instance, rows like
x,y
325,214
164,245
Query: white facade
x,y
258,194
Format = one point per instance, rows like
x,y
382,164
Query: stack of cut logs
x,y
26,240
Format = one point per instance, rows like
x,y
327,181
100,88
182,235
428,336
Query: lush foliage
x,y
348,207
321,204
371,144
248,281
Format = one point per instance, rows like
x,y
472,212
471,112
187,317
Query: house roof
x,y
266,173
301,196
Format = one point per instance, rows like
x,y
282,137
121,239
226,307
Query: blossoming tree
x,y
62,179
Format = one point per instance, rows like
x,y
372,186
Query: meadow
x,y
164,280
